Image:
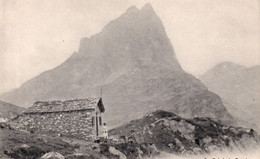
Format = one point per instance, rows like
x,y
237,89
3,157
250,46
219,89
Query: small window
x,y
100,121
93,118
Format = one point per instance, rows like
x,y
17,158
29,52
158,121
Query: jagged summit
x,y
135,39
147,8
132,9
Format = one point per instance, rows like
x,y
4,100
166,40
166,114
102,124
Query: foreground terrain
x,y
172,133
153,135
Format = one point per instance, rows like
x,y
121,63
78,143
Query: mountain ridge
x,y
239,87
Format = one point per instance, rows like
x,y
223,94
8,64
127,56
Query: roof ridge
x,y
62,106
64,100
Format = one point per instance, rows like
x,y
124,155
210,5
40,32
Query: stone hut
x,y
79,118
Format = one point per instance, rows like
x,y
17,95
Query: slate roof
x,y
65,106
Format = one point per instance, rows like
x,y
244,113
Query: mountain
x,y
174,134
239,88
8,111
132,60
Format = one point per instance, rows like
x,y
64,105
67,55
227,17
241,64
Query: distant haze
x,y
36,36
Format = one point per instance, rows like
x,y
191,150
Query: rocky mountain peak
x,y
132,9
148,9
135,39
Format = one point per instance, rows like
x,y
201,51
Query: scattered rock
x,y
24,151
174,134
25,146
52,155
116,152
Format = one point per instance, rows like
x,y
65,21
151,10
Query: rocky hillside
x,y
3,118
134,63
174,134
27,145
239,88
8,111
21,144
153,135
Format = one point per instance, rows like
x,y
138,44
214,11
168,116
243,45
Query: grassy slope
x,y
11,140
10,110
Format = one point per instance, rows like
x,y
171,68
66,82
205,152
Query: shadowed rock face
x,y
133,61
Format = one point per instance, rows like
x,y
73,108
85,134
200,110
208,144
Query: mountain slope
x,y
8,111
133,61
239,87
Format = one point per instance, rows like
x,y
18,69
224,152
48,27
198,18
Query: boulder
x,y
25,151
52,155
174,134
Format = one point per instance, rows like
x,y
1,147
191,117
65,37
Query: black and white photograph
x,y
129,79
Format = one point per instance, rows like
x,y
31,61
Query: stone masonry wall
x,y
75,123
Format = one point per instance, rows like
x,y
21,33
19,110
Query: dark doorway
x,y
97,123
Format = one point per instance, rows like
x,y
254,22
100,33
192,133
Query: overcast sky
x,y
36,36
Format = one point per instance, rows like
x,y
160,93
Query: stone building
x,y
79,118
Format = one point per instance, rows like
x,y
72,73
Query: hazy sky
x,y
38,35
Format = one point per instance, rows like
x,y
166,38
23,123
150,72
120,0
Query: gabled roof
x,y
65,106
